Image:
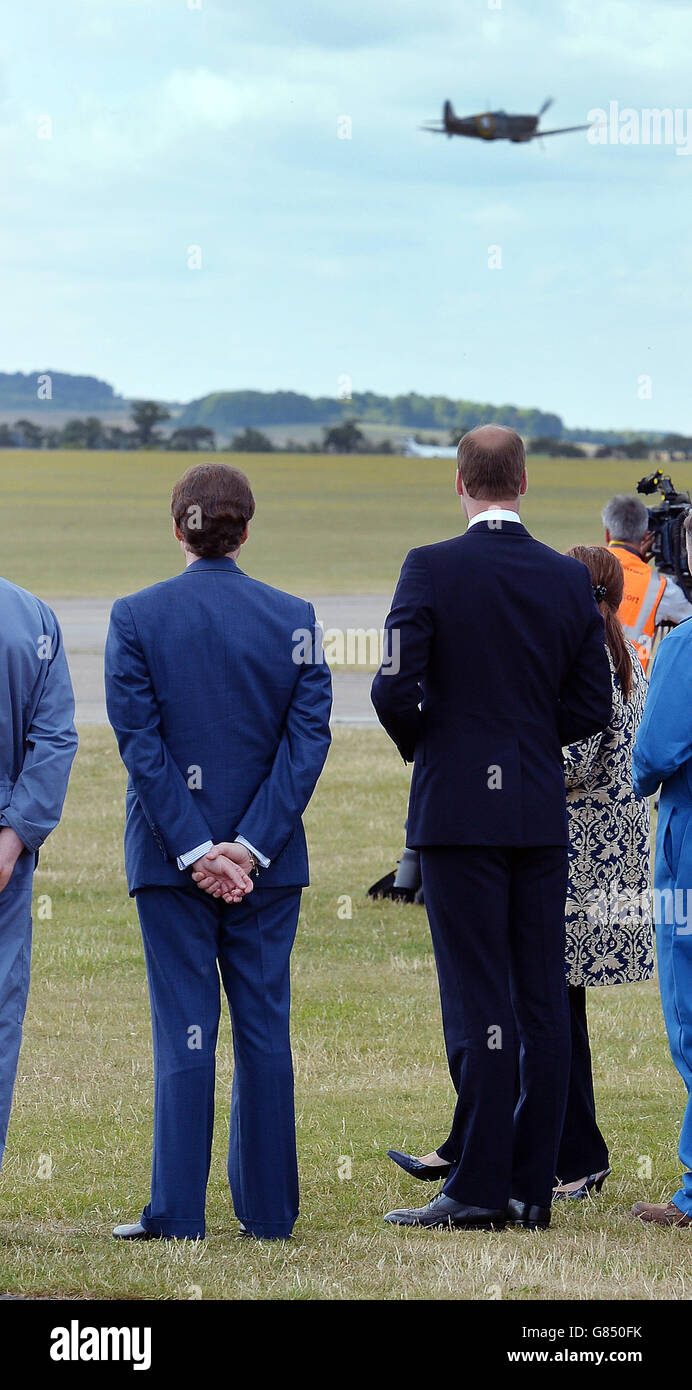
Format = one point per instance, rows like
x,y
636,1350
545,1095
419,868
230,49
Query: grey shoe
x,y
135,1232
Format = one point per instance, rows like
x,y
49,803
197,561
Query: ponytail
x,y
617,646
607,580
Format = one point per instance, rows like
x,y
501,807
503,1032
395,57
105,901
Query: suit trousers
x,y
15,960
673,881
190,939
583,1150
497,919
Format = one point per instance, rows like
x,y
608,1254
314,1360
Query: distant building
x,y
412,449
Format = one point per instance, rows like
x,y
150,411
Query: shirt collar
x,y
217,562
495,514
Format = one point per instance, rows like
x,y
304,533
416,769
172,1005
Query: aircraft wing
x,y
538,135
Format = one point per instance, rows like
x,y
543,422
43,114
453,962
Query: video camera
x,y
668,546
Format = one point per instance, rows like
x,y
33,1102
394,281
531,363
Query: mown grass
x,y
98,524
370,1074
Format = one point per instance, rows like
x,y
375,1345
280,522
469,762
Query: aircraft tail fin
x,y
447,113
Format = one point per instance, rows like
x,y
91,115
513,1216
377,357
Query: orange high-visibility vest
x,y
643,593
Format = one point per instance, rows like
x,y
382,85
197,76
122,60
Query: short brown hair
x,y
491,461
211,505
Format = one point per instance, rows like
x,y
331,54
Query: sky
x,y
182,216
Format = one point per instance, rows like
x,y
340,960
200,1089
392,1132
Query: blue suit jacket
x,y
663,747
38,739
221,731
501,640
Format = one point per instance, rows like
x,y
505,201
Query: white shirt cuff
x,y
184,860
261,858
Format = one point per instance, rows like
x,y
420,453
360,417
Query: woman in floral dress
x,y
608,912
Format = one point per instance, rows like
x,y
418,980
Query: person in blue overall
x,y
663,758
38,742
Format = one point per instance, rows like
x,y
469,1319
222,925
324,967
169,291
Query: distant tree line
x,y
670,446
343,437
555,448
243,416
221,415
677,445
224,410
91,433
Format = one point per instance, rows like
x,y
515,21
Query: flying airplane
x,y
496,125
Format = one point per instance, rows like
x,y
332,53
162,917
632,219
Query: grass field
x,y
98,524
370,1074
365,996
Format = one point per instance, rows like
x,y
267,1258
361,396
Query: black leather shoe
x,y
444,1211
528,1217
425,1171
135,1232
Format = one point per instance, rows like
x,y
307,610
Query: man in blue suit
x,y
502,661
38,742
220,698
663,758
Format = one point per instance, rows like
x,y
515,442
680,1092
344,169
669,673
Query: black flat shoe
x,y
444,1211
592,1184
528,1217
135,1232
425,1171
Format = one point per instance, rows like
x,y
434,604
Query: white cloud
x,y
203,96
218,126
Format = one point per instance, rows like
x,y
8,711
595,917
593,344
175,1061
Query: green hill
x,y
231,410
58,391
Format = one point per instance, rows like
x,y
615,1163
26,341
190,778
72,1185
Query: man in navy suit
x,y
502,661
220,698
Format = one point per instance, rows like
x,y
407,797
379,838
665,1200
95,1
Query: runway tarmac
x,y
84,623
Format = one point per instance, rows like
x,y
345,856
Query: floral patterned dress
x,y
608,912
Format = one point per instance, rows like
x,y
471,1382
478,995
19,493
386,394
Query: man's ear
x,y
459,486
245,534
178,533
524,483
607,536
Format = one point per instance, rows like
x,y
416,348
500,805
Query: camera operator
x,y
650,600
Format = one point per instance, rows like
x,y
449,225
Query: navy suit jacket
x,y
222,731
501,640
